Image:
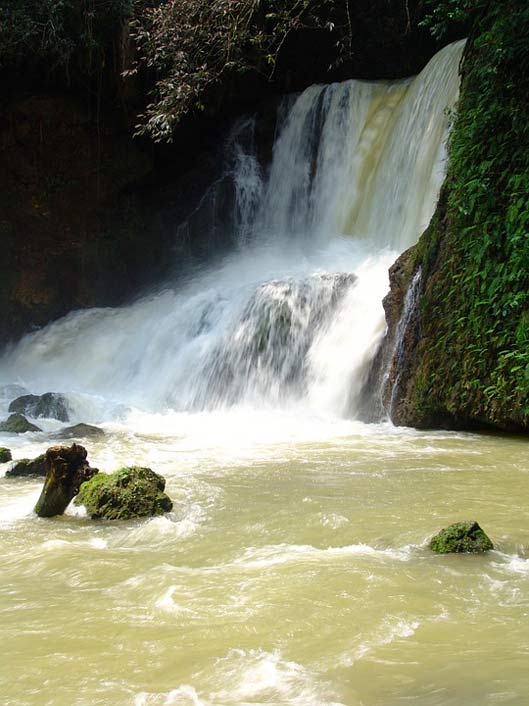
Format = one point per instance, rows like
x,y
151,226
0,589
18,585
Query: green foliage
x,y
17,424
475,314
443,15
193,46
56,31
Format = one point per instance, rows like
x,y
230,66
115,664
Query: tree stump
x,y
66,469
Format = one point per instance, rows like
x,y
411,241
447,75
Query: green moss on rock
x,y
129,492
470,364
17,424
5,455
461,537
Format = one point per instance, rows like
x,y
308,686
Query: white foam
x,y
246,677
391,629
15,508
277,554
332,520
167,603
182,696
258,676
518,565
157,530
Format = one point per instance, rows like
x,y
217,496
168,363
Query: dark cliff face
x,y
84,221
88,215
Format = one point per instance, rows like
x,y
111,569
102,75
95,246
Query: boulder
x,y
50,405
130,492
66,469
17,424
28,467
5,455
461,537
86,431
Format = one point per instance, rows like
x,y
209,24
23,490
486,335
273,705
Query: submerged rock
x,y
50,405
80,430
17,424
130,492
28,467
66,469
5,455
461,537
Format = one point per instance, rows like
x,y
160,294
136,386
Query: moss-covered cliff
x,y
466,357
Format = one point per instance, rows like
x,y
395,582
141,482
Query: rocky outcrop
x,y
130,492
5,455
380,395
17,424
50,405
28,467
461,538
80,431
66,469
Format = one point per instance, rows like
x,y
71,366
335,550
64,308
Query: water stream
x,y
294,568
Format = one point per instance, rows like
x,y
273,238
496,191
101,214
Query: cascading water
x,y
294,314
293,569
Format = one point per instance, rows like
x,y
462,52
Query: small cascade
x,y
263,359
291,313
398,356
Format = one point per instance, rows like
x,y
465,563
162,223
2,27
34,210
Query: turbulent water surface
x,y
294,568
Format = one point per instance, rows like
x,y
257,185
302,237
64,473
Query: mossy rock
x,y
130,492
17,424
460,538
5,455
28,467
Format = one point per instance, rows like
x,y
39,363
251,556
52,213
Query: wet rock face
x,y
5,455
380,386
77,431
128,493
460,538
50,405
66,469
28,467
17,424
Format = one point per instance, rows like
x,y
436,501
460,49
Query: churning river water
x,y
294,569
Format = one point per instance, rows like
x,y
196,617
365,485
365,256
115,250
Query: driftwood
x,y
66,469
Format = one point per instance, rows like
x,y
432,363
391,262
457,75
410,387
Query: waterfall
x,y
292,315
398,353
